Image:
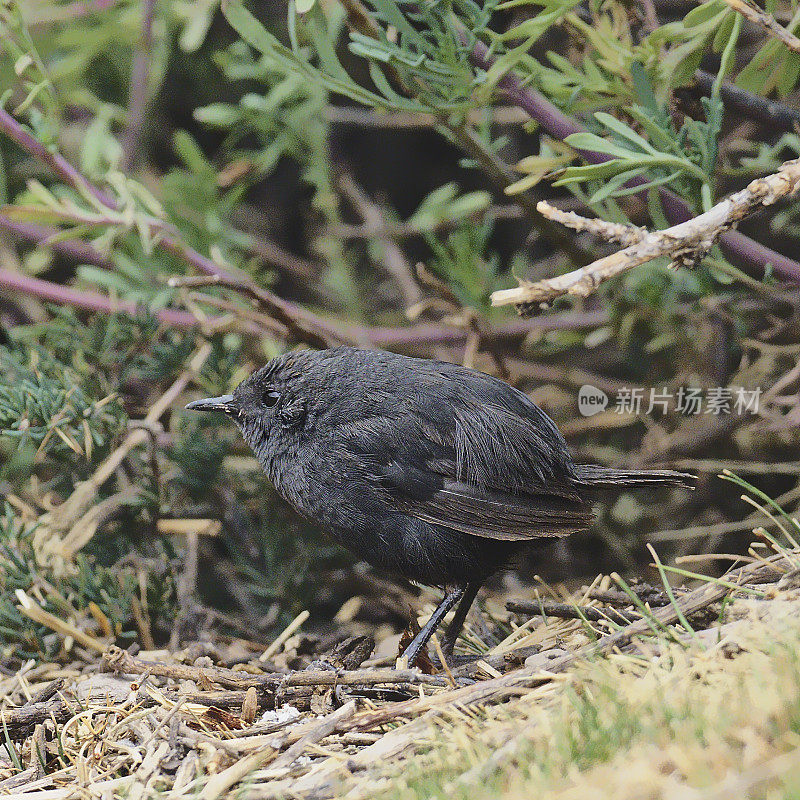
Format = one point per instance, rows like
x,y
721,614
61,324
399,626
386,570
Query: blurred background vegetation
x,y
189,189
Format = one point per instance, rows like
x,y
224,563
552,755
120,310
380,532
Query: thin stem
x,y
427,334
74,249
767,112
140,77
57,163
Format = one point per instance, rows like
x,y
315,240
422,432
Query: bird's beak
x,y
223,404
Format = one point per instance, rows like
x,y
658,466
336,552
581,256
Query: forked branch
x,y
683,243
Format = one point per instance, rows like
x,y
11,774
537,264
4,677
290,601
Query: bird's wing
x,y
480,469
493,515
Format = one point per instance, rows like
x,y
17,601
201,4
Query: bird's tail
x,y
595,477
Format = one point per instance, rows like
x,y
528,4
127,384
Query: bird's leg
x,y
454,629
422,638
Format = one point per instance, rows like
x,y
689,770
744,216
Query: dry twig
x,y
765,20
682,243
626,235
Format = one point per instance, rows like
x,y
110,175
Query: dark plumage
x,y
427,469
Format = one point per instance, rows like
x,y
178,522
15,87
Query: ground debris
x,y
165,721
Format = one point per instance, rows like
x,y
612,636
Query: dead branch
x,y
766,21
19,723
626,235
568,611
682,243
122,662
220,783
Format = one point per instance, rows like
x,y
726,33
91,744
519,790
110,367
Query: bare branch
x,y
91,301
687,240
764,20
394,259
140,77
610,231
740,248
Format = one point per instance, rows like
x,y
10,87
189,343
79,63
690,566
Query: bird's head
x,y
264,406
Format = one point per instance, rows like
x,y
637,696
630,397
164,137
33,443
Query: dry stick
x,y
615,597
405,120
284,635
27,607
610,231
695,601
568,611
426,333
46,692
20,722
407,230
434,334
328,726
220,783
67,517
122,662
227,699
363,677
520,681
685,240
766,21
321,781
305,325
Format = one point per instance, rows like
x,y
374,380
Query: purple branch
x,y
63,295
56,162
432,334
74,249
137,101
416,335
739,247
306,325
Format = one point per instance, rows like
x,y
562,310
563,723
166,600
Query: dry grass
x,y
719,718
704,708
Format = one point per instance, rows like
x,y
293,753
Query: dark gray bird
x,y
436,472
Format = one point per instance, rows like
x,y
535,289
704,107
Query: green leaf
x,y
592,142
624,132
664,139
643,87
611,186
218,115
705,12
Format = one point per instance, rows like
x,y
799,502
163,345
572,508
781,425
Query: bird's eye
x,y
271,397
